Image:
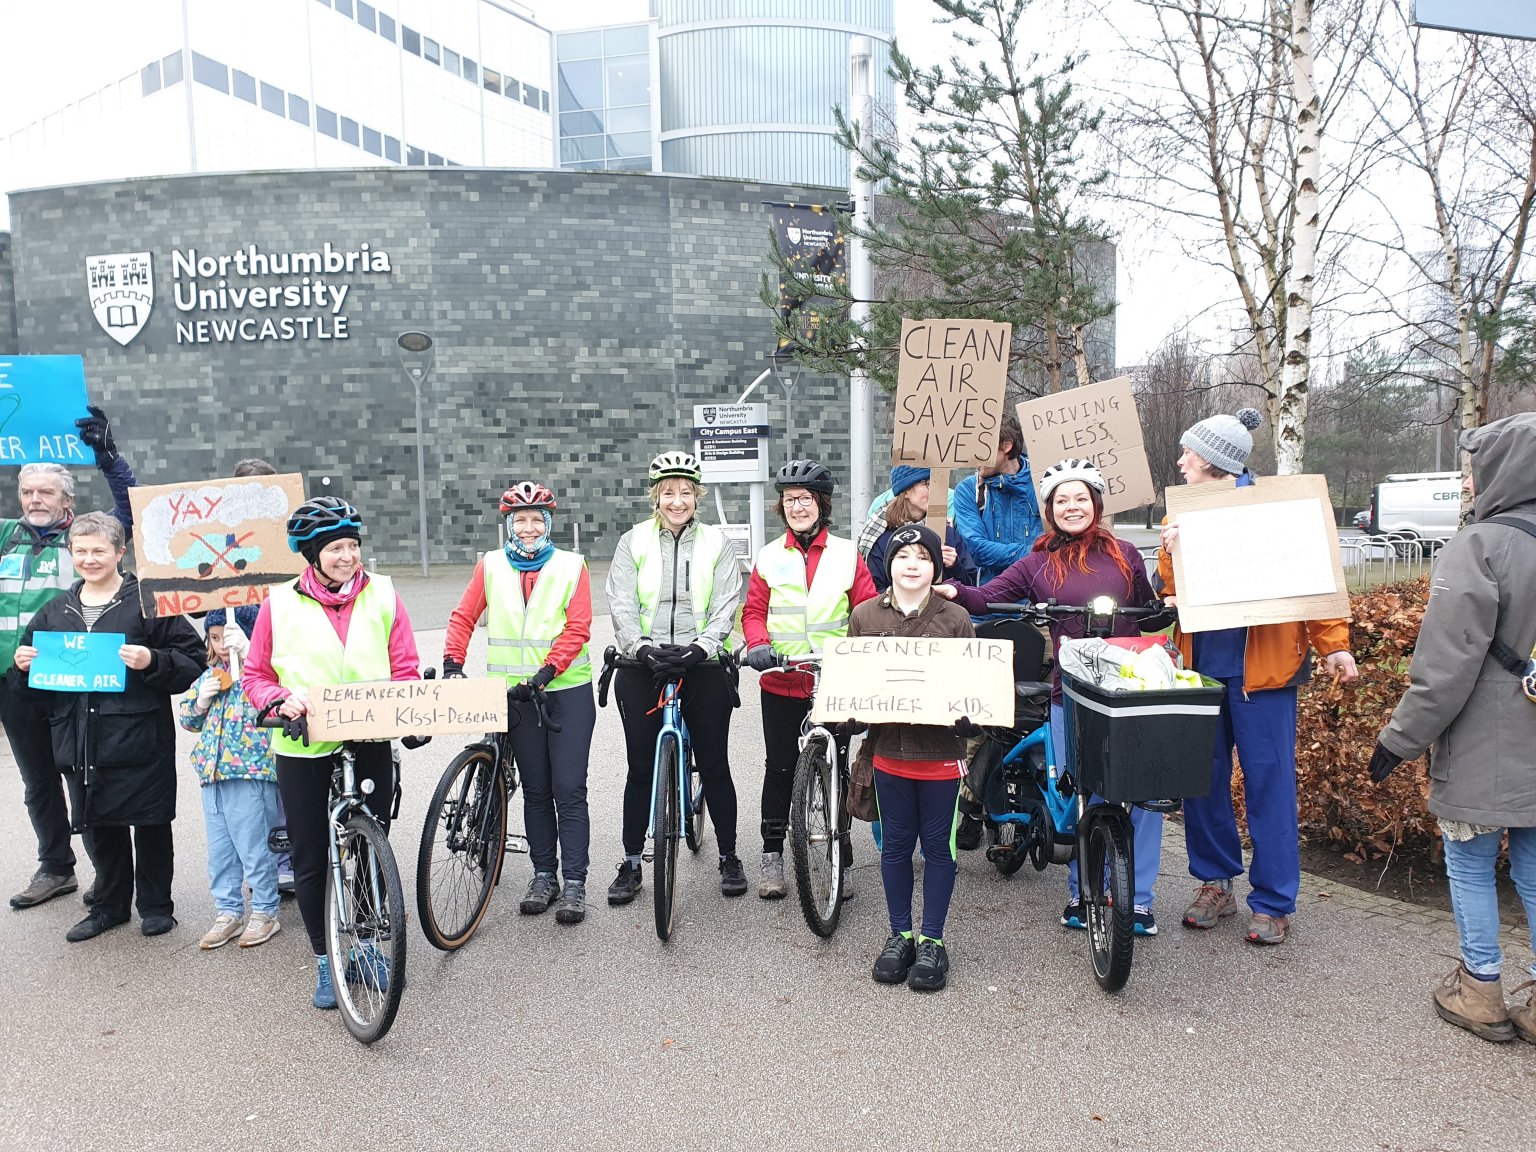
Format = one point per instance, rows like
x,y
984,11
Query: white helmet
x,y
684,464
1077,468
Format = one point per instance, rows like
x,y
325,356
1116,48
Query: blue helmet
x,y
316,520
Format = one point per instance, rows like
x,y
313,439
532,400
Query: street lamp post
x,y
417,357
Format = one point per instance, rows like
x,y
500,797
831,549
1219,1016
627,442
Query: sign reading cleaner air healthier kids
x,y
41,397
78,662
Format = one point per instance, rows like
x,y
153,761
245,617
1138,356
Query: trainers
x,y
92,926
626,886
1523,1016
325,991
542,892
367,965
968,834
895,959
1143,923
261,929
157,925
44,887
1074,915
772,885
573,903
225,928
1264,929
285,883
1476,1005
1211,903
931,971
733,876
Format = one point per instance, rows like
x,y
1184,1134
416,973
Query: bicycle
x,y
364,900
464,839
677,788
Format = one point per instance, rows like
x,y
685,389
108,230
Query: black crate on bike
x,y
1132,746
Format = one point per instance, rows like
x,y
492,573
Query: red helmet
x,y
527,494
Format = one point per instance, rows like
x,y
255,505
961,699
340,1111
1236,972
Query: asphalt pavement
x,y
745,1030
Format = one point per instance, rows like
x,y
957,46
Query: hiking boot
x,y
542,892
573,903
968,833
931,971
225,928
1143,923
92,926
1476,1005
325,991
43,887
733,876
626,886
1212,902
261,929
895,959
1264,929
1074,915
157,925
771,887
1523,1016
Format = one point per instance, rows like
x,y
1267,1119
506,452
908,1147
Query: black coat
x,y
119,748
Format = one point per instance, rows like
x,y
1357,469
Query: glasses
x,y
799,501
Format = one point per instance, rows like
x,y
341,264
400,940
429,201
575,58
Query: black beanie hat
x,y
923,536
310,549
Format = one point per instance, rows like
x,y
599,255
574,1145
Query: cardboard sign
x,y
1099,422
902,680
1267,553
78,662
949,392
41,397
213,543
388,709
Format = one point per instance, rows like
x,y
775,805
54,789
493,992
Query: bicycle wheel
x,y
693,827
664,822
814,808
462,844
1106,882
365,929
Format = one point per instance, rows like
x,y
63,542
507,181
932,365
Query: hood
x,y
1503,463
1014,480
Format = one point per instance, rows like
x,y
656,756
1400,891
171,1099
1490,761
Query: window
x,y
629,80
543,100
581,148
170,69
149,77
415,156
530,96
625,41
344,7
513,87
471,71
627,120
629,144
429,50
272,99
367,17
243,85
373,142
210,72
491,79
580,124
325,121
387,26
391,149
434,160
580,45
410,40
633,163
451,60
349,131
581,84
298,109
323,3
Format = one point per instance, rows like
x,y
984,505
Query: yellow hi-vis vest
x,y
520,634
645,544
801,621
307,652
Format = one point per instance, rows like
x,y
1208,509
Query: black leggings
x,y
707,702
781,738
305,785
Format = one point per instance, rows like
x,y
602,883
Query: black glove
x,y
761,657
452,669
648,654
965,729
521,693
1382,763
678,659
848,729
543,676
96,433
415,742
297,728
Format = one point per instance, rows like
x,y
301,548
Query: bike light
x,y
1102,606
365,787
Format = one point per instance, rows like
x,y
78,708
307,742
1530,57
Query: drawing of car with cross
x,y
212,551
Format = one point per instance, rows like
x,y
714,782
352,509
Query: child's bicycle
x,y
1119,749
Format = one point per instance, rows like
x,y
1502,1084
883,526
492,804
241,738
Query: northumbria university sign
x,y
245,296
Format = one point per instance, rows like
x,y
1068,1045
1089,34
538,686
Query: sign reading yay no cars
x,y
728,439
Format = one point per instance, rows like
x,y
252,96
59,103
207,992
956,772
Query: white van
x,y
1424,505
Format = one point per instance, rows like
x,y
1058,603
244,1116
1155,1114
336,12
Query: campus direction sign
x,y
1515,18
728,439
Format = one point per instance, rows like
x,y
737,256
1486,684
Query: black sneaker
x,y
157,925
733,877
931,971
92,926
573,903
542,892
895,959
968,834
626,886
1074,915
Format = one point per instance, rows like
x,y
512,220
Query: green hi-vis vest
x,y
520,634
645,546
801,621
307,652
28,580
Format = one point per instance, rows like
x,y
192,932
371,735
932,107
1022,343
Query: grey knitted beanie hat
x,y
1224,441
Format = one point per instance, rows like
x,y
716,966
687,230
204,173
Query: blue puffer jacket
x,y
1004,526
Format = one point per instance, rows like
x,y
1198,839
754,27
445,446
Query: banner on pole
x,y
811,241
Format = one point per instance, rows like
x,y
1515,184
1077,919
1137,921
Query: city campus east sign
x,y
245,296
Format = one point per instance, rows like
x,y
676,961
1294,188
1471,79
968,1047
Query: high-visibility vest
x,y
801,620
520,633
28,580
307,652
645,541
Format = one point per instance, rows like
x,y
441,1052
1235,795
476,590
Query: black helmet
x,y
811,475
320,517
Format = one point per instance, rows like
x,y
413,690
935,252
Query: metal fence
x,y
1387,558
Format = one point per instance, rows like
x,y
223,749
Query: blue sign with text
x,y
41,397
78,662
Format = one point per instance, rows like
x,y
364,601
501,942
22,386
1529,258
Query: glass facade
x,y
604,82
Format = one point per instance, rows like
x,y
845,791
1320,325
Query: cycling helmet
x,y
1078,468
684,464
811,475
318,519
526,494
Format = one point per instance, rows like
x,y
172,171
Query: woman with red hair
x,y
1075,560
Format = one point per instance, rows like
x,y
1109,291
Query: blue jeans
x,y
1146,830
1469,866
239,814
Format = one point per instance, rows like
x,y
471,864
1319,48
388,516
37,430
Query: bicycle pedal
x,y
649,854
517,844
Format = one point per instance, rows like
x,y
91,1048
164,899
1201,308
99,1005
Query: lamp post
x,y
786,370
417,357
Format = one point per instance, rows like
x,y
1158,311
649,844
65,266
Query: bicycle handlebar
x,y
1050,610
612,661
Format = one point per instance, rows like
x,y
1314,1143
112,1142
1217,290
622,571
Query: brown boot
x,y
1523,1016
1476,1005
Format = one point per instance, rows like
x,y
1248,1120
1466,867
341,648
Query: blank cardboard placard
x,y
1096,421
389,709
900,680
949,392
213,543
1272,543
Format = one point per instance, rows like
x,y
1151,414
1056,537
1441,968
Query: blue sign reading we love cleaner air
x,y
41,397
78,662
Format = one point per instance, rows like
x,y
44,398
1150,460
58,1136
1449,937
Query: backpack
x,y
1524,668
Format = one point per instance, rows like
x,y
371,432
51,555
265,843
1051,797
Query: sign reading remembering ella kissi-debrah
x,y
1097,422
910,680
78,662
949,392
388,709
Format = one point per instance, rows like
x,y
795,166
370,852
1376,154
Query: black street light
x,y
416,357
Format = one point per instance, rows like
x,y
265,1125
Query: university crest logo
x,y
122,291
